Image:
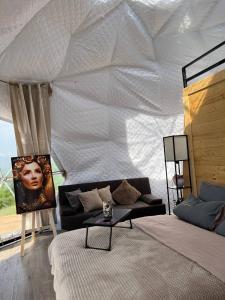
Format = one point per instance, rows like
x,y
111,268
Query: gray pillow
x,y
211,192
221,229
74,200
91,200
199,212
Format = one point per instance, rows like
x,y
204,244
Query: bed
x,y
162,257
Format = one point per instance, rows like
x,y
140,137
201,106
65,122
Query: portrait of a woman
x,y
33,183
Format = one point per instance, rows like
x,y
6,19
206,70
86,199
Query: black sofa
x,y
146,205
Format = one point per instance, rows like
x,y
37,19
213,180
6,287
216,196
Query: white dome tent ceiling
x,y
115,68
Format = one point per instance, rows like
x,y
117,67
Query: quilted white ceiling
x,y
136,42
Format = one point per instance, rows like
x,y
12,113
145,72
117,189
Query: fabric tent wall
x,y
109,141
116,72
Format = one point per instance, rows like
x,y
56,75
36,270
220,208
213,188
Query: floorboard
x,y
28,277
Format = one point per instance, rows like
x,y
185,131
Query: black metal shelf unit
x,y
179,187
176,151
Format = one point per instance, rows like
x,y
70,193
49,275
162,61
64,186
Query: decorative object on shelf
x,y
178,180
107,210
176,151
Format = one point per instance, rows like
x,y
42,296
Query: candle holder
x,y
107,211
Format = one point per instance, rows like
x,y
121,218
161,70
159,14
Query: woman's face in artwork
x,y
32,176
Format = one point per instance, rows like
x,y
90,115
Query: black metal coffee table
x,y
119,214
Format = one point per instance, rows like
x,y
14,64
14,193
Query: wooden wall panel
x,y
204,109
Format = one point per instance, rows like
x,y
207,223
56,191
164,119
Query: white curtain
x,y
31,118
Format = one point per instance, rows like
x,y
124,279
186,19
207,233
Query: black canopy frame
x,y
184,69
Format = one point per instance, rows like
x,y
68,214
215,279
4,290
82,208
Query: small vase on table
x,y
107,211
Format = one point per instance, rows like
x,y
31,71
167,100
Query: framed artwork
x,y
33,183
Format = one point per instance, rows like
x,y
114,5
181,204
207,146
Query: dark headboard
x,y
141,184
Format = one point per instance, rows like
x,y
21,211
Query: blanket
x,y
202,246
138,267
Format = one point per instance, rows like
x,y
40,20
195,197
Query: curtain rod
x,y
15,83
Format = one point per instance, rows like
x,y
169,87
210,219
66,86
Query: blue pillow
x,y
199,212
74,200
211,192
221,229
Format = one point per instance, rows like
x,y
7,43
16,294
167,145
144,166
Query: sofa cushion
x,y
91,200
106,195
68,211
211,192
150,199
126,193
76,221
199,212
73,199
137,204
221,228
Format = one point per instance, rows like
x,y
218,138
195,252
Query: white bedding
x,y
138,267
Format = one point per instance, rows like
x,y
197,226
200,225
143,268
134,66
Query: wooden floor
x,y
28,277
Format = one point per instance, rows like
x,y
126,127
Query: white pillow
x,y
106,195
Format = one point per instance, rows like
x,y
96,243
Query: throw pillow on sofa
x,y
220,217
91,200
106,195
221,229
151,200
74,200
199,212
126,193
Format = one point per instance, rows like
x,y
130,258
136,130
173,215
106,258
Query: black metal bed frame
x,y
187,79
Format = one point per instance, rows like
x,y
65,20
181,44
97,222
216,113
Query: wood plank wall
x,y
204,110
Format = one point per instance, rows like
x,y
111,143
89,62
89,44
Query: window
x,y
10,222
